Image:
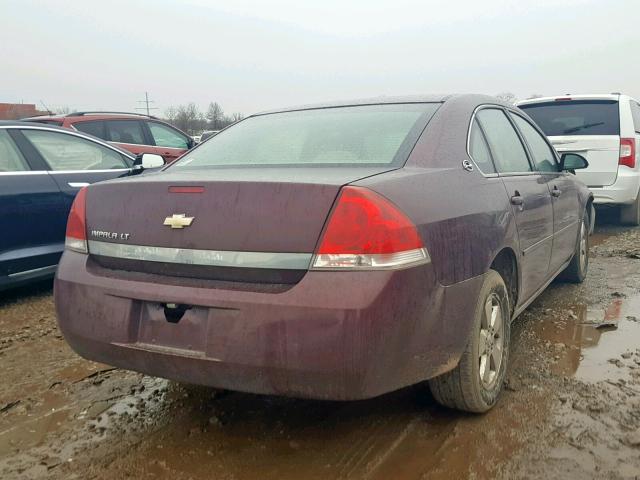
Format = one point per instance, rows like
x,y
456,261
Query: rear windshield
x,y
576,117
358,135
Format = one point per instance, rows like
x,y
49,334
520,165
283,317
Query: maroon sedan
x,y
336,251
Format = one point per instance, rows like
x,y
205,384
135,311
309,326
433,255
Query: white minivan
x,y
605,129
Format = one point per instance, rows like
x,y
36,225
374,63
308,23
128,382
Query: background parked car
x,y
41,170
133,132
606,130
208,134
424,227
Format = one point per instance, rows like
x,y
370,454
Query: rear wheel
x,y
630,214
474,385
576,271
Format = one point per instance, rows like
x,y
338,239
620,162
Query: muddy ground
x,y
571,408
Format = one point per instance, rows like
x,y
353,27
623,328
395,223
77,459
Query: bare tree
x,y
215,116
62,110
188,118
236,117
507,97
170,114
191,120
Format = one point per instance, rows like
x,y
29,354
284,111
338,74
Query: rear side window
x,y
11,160
479,150
63,151
349,136
92,128
543,156
635,112
506,147
125,131
576,117
164,136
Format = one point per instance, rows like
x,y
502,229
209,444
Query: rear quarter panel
x,y
463,218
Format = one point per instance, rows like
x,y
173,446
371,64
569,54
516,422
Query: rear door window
x,y
576,117
164,136
543,156
69,152
125,131
92,128
11,159
635,112
507,149
479,150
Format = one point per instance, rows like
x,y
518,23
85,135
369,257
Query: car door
x,y
529,197
169,142
129,135
75,161
562,188
31,207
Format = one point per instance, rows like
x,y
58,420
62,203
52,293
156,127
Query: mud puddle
x,y
592,343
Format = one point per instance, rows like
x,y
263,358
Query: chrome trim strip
x,y
64,172
25,172
107,170
537,244
44,270
212,258
78,184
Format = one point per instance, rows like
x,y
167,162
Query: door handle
x,y
517,200
556,192
78,184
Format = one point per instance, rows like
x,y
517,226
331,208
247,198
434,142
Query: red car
x,y
133,132
333,252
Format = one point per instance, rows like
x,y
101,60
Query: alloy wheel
x,y
491,345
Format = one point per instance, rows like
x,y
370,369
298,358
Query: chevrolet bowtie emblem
x,y
178,221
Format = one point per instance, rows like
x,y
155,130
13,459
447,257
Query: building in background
x,y
13,111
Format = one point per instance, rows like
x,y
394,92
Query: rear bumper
x,y
337,336
623,191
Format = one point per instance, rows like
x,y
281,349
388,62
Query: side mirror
x,y
145,161
572,161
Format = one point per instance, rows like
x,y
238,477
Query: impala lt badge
x,y
178,221
110,235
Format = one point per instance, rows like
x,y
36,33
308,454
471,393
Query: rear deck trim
x,y
215,258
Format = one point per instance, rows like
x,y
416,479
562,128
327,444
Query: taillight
x,y
367,231
628,152
76,238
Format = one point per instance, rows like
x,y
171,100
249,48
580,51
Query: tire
x,y
630,214
577,270
463,388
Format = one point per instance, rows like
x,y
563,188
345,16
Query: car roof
x,y
43,126
586,96
93,115
382,100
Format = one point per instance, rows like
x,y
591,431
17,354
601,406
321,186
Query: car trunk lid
x,y
601,151
241,224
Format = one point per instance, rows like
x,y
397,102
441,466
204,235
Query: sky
x,y
251,56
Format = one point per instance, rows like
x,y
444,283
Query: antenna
x,y
146,106
46,108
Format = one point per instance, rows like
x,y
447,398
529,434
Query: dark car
x,y
338,252
133,132
41,170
